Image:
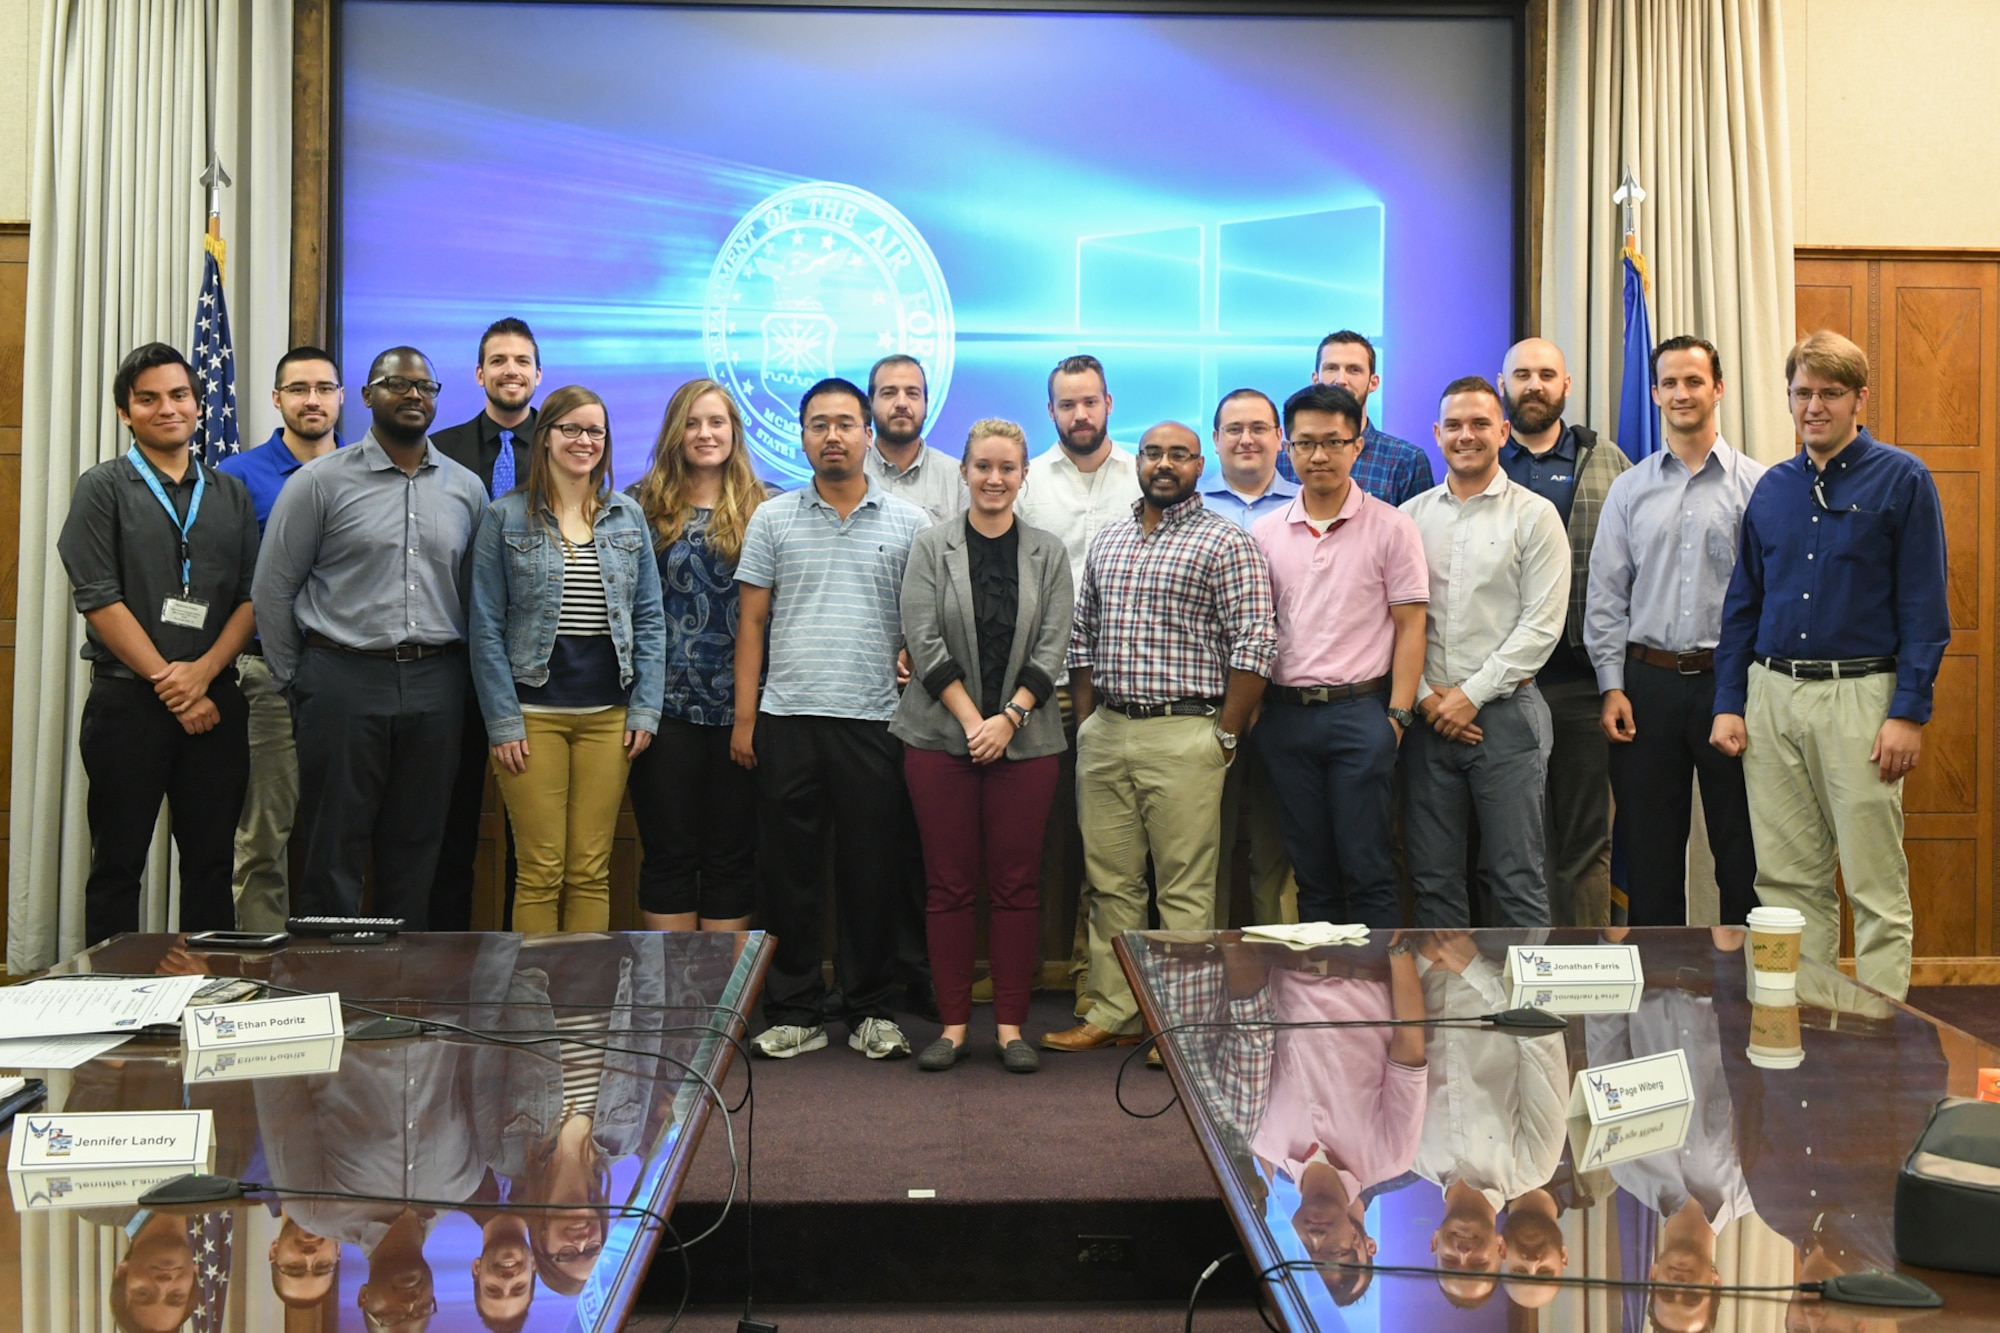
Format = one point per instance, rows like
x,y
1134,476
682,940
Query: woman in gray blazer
x,y
987,604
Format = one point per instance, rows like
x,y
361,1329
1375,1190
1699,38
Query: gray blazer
x,y
938,627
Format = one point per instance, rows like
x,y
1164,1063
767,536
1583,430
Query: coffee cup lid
x,y
1780,997
1776,1057
1776,918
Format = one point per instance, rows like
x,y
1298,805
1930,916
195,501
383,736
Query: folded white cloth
x,y
1307,934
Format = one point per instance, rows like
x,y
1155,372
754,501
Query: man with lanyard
x,y
1243,487
1571,468
361,602
1833,631
307,395
160,550
496,445
1389,467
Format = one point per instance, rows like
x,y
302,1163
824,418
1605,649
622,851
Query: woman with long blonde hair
x,y
697,811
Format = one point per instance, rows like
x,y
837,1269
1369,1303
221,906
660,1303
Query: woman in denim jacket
x,y
569,659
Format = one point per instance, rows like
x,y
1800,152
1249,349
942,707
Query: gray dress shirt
x,y
1666,547
367,554
932,483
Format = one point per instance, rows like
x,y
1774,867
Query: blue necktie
x,y
503,466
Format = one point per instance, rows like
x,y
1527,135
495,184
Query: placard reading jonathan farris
x,y
255,1022
1574,964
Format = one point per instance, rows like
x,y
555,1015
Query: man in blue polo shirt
x,y
1243,486
1389,468
1832,634
307,394
822,572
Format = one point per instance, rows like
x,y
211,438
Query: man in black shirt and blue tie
x,y
496,446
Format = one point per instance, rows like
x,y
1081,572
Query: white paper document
x,y
56,1052
65,1006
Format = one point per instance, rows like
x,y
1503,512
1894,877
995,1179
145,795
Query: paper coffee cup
x,y
1775,934
1765,1057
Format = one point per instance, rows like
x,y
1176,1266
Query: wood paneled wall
x,y
1930,323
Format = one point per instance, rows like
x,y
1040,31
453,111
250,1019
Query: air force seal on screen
x,y
817,280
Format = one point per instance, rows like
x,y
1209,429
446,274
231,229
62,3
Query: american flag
x,y
210,1238
214,361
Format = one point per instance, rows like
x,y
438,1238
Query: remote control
x,y
345,925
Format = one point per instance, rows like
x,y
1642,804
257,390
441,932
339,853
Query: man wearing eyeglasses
x,y
1832,634
1244,486
361,604
822,570
496,446
308,395
1173,645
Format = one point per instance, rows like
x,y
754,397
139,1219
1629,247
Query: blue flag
x,y
1638,418
214,361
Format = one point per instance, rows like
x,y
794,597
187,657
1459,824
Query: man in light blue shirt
x,y
822,570
1666,547
1243,486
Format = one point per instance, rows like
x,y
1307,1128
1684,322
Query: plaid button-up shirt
x,y
1169,614
1390,468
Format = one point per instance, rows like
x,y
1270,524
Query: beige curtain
x,y
1690,94
114,260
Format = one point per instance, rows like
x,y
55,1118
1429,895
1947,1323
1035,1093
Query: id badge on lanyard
x,y
186,611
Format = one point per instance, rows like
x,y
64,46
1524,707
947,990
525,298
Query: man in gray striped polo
x,y
822,572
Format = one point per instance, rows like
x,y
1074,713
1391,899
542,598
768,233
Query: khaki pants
x,y
1274,894
564,811
264,831
1815,796
1148,785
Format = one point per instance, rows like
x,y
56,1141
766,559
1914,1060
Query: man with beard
x,y
904,466
361,597
308,395
1571,468
1073,490
1390,469
1175,633
496,446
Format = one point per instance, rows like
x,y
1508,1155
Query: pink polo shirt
x,y
1334,591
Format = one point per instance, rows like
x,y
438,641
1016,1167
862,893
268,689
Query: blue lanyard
x,y
152,481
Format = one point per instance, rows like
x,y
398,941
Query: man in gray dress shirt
x,y
900,462
361,596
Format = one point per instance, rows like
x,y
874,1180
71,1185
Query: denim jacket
x,y
517,577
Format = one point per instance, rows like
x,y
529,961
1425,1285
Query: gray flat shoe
x,y
940,1055
1020,1058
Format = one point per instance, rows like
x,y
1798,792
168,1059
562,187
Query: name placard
x,y
1574,964
1579,999
255,1022
74,1140
1631,1088
1664,1130
277,1059
99,1188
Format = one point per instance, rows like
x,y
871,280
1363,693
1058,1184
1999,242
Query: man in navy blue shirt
x,y
1389,468
1832,634
308,394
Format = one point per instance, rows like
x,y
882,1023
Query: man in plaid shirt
x,y
1389,468
1175,633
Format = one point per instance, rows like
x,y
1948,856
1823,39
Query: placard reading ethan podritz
x,y
256,1022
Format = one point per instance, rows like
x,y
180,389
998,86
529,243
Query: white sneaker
x,y
786,1040
878,1039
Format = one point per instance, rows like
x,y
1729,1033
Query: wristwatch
x,y
1020,714
1403,718
1401,948
1227,739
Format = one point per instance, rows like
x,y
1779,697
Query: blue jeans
x,y
1331,768
1501,780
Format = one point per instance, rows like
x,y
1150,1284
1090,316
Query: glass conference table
x,y
443,1181
1449,1149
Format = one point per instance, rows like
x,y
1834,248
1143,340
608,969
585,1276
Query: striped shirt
x,y
583,608
836,600
1168,614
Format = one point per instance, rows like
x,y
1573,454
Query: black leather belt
x,y
1688,664
402,652
1307,695
1172,708
1842,669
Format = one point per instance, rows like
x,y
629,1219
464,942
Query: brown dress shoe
x,y
1086,1037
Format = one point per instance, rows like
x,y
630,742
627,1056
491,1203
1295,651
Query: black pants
x,y
816,774
1579,802
136,754
1653,778
378,746
697,815
458,848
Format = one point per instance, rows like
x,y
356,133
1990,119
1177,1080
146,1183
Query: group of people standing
x,y
908,657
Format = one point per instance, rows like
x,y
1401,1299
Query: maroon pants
x,y
973,817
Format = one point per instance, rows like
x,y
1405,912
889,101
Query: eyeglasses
x,y
398,385
322,390
821,427
1332,444
569,430
400,1314
1256,430
1152,453
1827,397
569,1254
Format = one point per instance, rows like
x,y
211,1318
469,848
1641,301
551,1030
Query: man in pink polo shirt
x,y
1350,583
